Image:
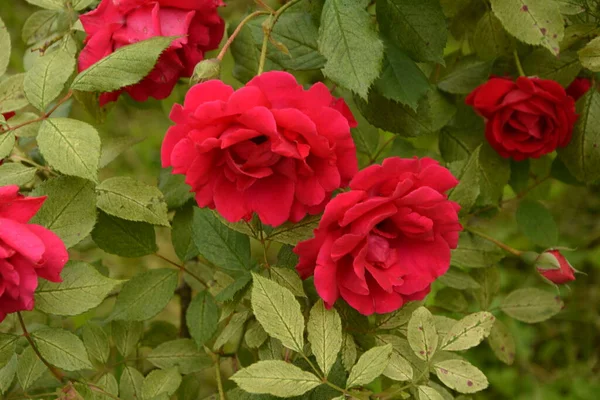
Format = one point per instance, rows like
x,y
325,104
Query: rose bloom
x,y
524,119
385,241
563,274
117,23
27,251
578,88
270,147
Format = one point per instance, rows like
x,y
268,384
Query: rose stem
x,y
498,243
518,63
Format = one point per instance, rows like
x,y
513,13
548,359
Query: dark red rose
x,y
117,23
270,147
524,119
8,115
579,87
553,266
27,251
385,241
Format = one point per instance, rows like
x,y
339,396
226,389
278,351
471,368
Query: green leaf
x,y
108,383
145,295
490,40
403,349
422,336
277,378
217,243
417,26
181,234
241,282
348,351
47,78
590,55
460,376
96,342
202,317
7,142
5,45
451,300
161,382
400,317
468,332
289,279
174,188
16,174
401,80
126,335
475,252
232,330
494,175
349,41
428,393
531,305
48,4
278,312
271,350
561,69
182,353
62,349
369,366
126,66
70,209
293,233
130,386
29,368
502,342
124,238
468,189
489,280
324,335
458,279
39,25
12,97
79,5
398,368
465,75
113,146
70,146
538,22
255,335
82,288
130,199
7,348
581,156
537,223
7,374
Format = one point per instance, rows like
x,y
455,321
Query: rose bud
x,y
579,87
552,265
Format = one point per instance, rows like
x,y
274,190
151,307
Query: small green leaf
x,y
202,317
255,335
96,342
278,312
537,223
422,335
48,4
489,280
174,188
451,299
324,335
428,393
468,332
235,326
545,65
460,376
161,383
494,175
490,40
130,199
275,377
465,75
349,41
126,335
62,349
181,234
468,189
70,209
7,142
349,352
145,295
289,279
39,25
531,305
82,288
70,146
110,387
126,66
7,374
590,55
502,342
47,78
475,252
398,368
16,174
29,368
293,233
5,45
130,386
400,317
113,146
124,238
79,5
369,366
458,279
538,22
12,97
7,348
271,350
181,353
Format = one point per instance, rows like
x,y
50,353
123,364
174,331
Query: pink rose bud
x,y
553,266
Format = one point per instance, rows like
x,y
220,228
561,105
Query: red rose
x,y
524,119
117,23
382,243
270,147
553,266
579,87
8,115
27,251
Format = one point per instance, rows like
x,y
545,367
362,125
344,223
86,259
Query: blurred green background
x,y
557,359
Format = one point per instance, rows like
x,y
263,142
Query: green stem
x,y
219,378
498,243
518,63
237,31
184,269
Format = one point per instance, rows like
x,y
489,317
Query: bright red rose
x,y
563,274
270,147
117,23
385,241
27,251
524,119
579,87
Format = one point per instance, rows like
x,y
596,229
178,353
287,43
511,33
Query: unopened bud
x,y
206,70
552,265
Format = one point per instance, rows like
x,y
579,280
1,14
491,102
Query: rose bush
x,y
117,23
270,147
526,118
385,241
27,251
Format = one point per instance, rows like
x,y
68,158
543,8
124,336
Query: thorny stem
x,y
184,269
237,31
57,374
498,243
518,63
